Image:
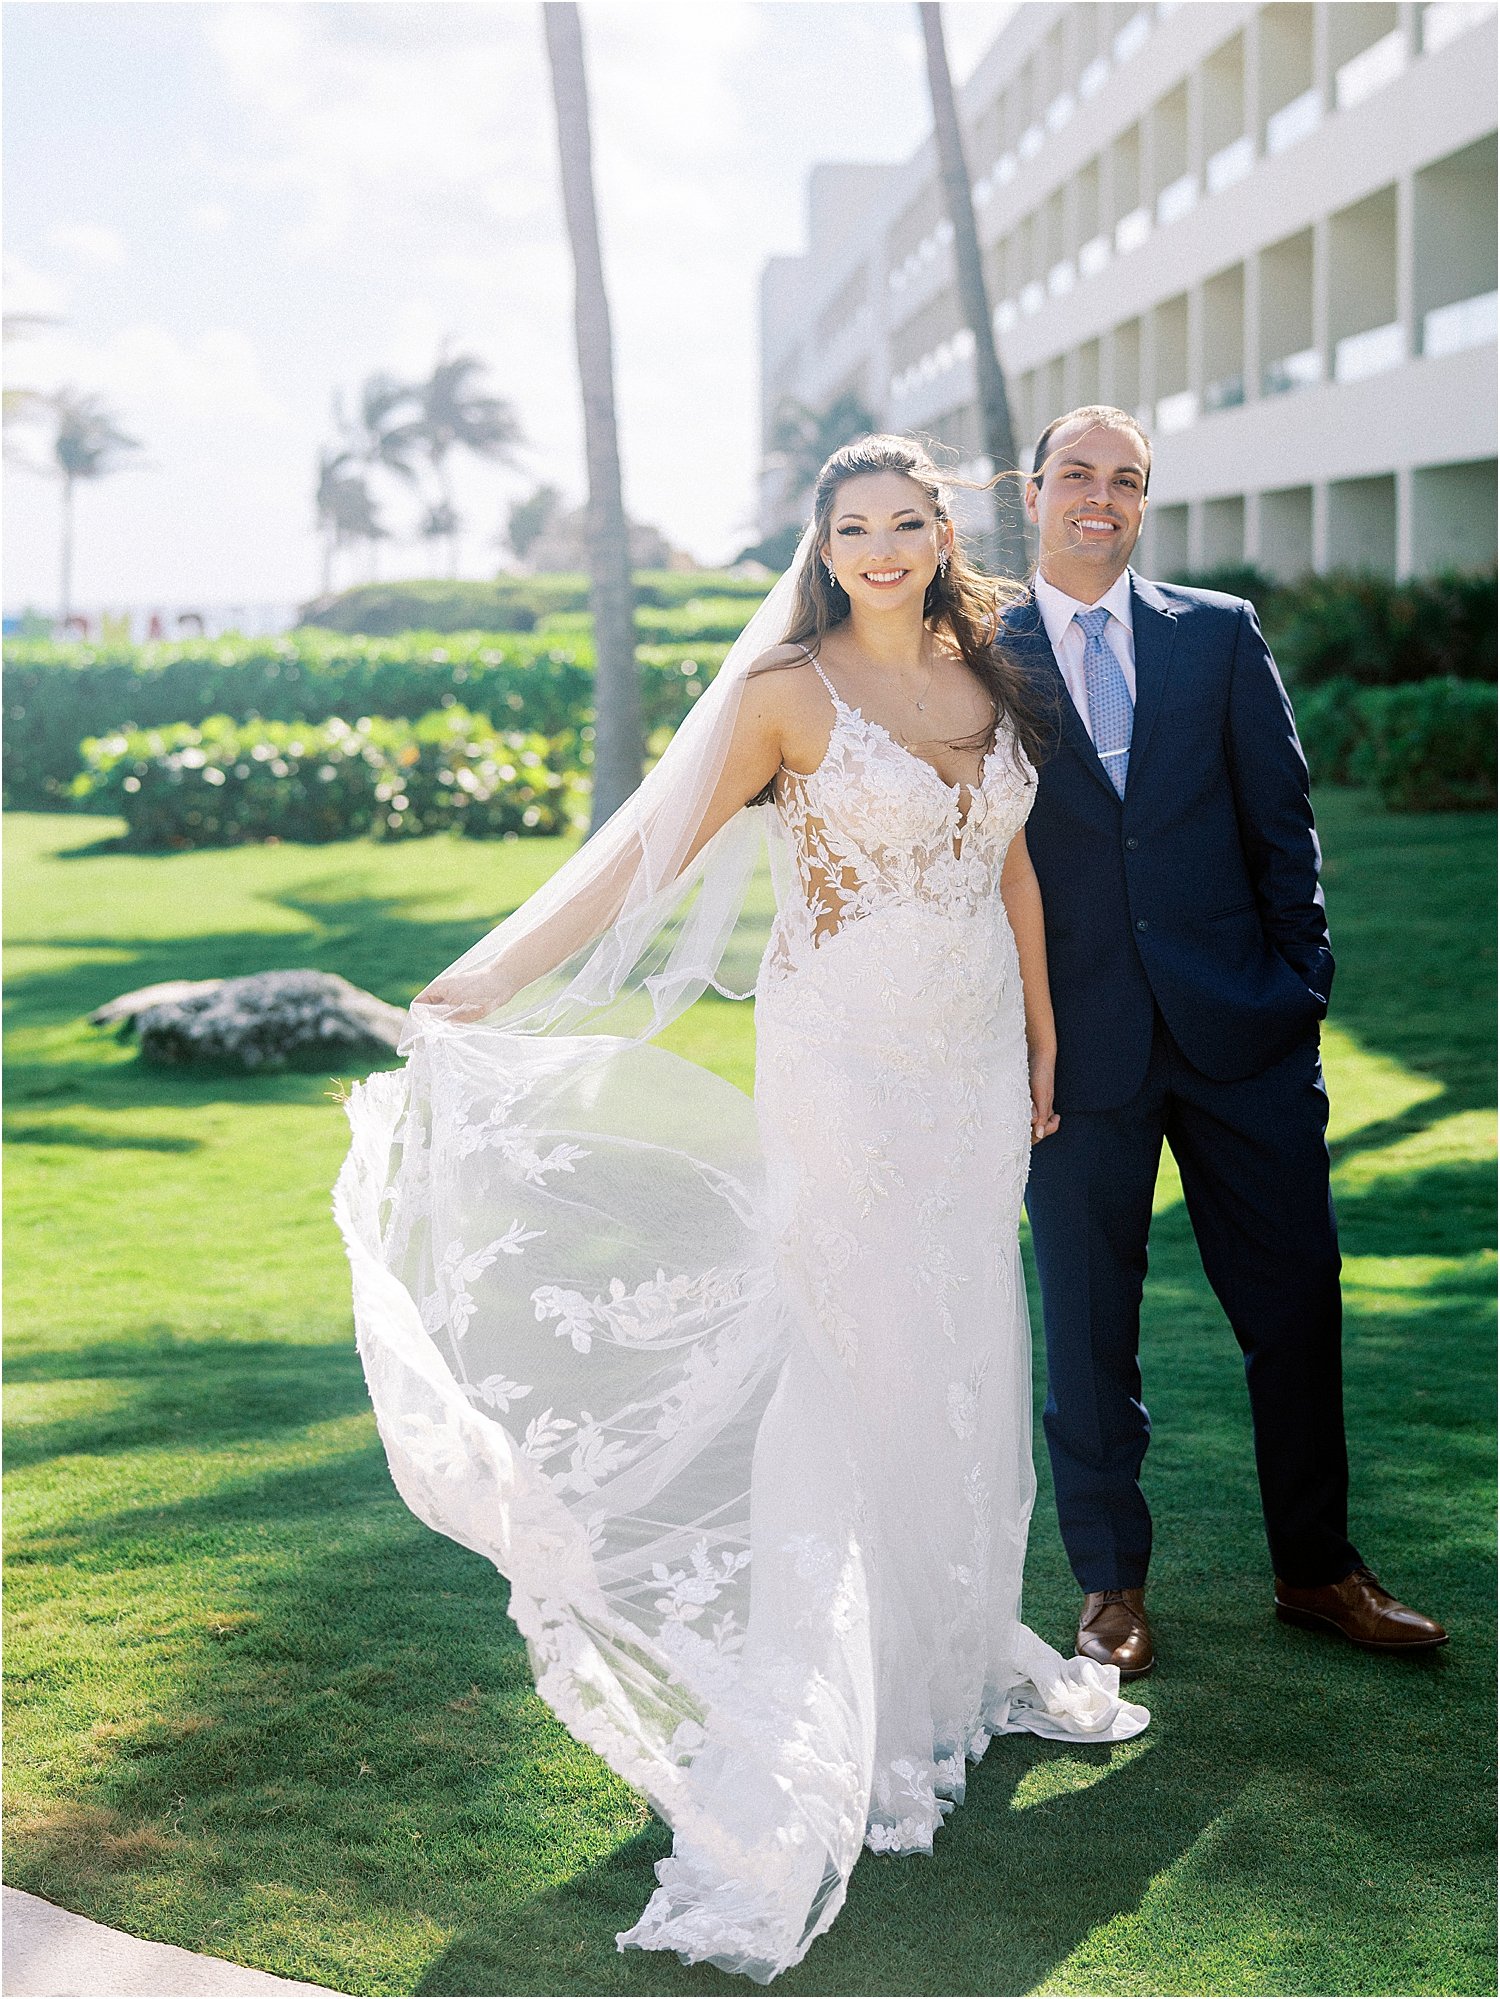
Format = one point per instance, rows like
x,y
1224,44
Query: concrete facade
x,y
1270,230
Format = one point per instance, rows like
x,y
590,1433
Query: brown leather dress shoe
x,y
1361,1611
1114,1629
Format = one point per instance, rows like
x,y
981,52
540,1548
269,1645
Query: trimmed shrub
x,y
1329,723
510,603
227,782
1369,629
1238,579
56,695
1426,747
1429,747
718,619
1383,634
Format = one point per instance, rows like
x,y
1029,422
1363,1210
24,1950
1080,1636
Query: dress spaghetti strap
x,y
812,660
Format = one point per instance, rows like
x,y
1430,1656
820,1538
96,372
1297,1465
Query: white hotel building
x,y
1270,230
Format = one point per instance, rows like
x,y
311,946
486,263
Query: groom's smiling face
x,y
1087,502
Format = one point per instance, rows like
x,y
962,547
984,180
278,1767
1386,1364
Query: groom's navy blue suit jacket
x,y
1198,892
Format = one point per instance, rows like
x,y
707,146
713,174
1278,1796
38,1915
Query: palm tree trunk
x,y
65,580
994,404
618,746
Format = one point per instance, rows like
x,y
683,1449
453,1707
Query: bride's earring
x,y
833,581
942,562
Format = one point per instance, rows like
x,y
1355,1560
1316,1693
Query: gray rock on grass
x,y
268,1020
122,1012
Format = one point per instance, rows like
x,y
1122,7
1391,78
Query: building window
x,y
1453,255
1453,516
1286,532
1366,50
1175,188
1223,532
1289,358
1362,325
1124,389
1176,405
1169,541
1362,524
1130,220
1228,148
1224,339
1290,101
1085,388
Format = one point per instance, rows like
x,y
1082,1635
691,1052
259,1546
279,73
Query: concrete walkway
x,y
50,1954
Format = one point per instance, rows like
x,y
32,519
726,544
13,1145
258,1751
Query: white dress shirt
x,y
1069,640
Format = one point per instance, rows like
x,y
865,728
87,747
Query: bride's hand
x,y
463,996
1044,1120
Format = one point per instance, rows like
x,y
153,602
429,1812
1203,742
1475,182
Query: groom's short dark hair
x,y
1093,413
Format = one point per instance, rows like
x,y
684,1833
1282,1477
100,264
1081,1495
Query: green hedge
x,y
1425,747
57,694
511,603
712,618
1368,629
228,782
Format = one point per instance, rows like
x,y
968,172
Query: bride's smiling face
x,y
884,539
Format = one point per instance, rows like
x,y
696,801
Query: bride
x,y
738,1397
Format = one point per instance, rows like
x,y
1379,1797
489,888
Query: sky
x,y
234,209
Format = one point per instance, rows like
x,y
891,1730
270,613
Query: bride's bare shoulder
x,y
777,659
785,683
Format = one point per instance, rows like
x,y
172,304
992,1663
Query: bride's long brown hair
x,y
962,602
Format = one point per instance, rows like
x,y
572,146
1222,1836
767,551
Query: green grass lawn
x,y
256,1709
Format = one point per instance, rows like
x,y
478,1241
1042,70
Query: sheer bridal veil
x,y
577,1356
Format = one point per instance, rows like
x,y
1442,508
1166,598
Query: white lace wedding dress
x,y
749,1433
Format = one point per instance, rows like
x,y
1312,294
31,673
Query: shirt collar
x,y
1059,609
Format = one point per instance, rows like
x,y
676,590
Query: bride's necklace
x,y
919,701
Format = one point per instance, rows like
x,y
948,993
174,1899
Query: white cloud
x,y
368,112
30,291
159,381
89,244
213,216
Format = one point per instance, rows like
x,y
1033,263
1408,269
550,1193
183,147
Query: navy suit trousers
x,y
1255,1173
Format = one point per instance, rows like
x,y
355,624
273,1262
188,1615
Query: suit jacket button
x,y
1132,844
1140,923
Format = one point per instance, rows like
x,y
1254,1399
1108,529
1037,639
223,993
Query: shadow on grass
x,y
94,1139
360,1730
1446,1209
351,1729
372,941
168,1390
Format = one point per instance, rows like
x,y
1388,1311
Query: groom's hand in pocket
x,y
1044,1120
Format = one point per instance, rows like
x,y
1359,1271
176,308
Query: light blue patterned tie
x,y
1111,710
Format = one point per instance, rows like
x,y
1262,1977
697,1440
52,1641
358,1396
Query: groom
x,y
1173,838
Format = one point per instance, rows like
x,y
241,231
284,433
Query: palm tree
x,y
805,439
345,508
529,519
619,749
87,444
994,404
383,435
385,431
454,412
22,406
441,522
